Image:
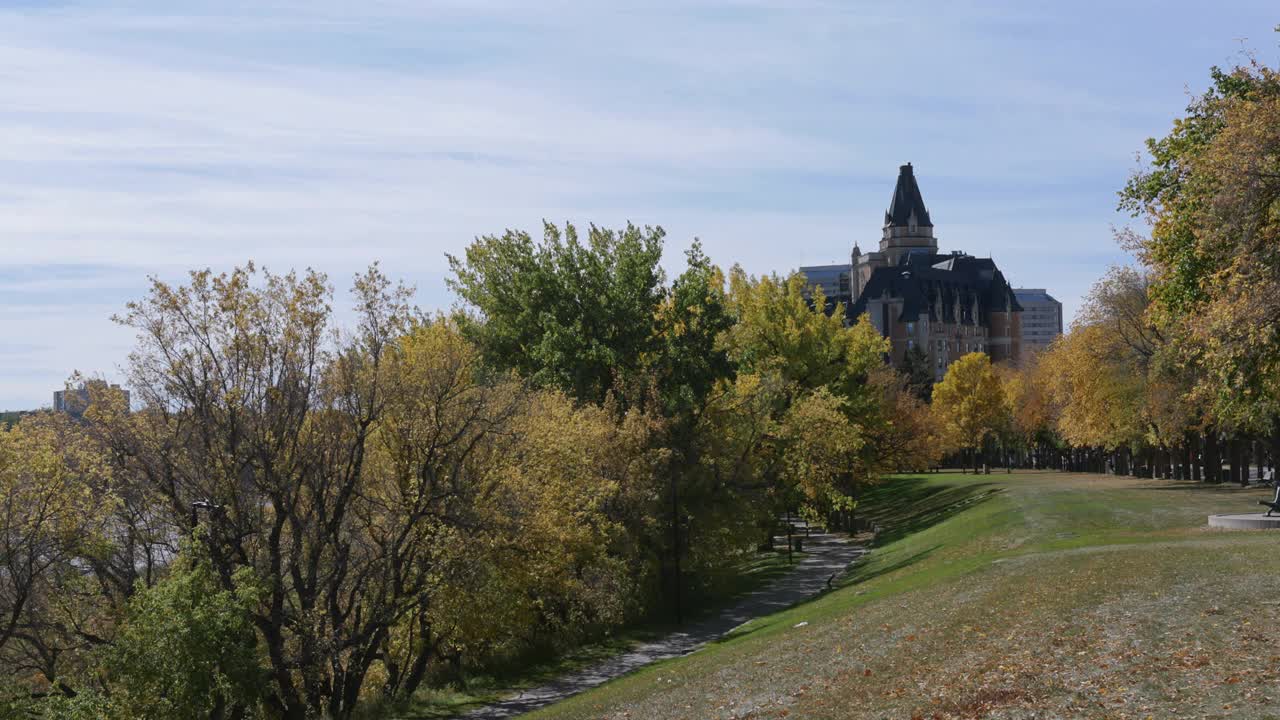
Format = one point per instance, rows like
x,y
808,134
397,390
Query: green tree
x,y
919,375
565,313
687,357
187,648
686,363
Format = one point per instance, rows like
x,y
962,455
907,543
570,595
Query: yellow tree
x,y
903,434
1112,380
799,352
56,500
1212,198
548,553
1030,411
1099,398
819,445
779,329
969,404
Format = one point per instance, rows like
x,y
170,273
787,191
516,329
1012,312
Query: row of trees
x,y
1186,346
298,519
1172,367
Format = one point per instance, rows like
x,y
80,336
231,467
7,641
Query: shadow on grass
x,y
903,506
906,505
1193,486
864,572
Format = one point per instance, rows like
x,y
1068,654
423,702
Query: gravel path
x,y
827,554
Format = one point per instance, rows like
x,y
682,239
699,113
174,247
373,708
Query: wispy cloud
x,y
150,137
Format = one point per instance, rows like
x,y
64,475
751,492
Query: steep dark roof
x,y
920,279
907,199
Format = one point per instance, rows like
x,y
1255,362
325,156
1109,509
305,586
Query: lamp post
x,y
201,505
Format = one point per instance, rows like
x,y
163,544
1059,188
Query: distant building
x,y
1041,318
946,304
76,400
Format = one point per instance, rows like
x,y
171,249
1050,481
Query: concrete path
x,y
827,554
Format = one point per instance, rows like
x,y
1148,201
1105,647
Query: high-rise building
x,y
1041,318
75,401
945,304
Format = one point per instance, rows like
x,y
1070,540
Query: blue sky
x,y
148,138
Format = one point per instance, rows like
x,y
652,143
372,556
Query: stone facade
x,y
947,304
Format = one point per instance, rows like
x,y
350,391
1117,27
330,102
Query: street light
x,y
202,505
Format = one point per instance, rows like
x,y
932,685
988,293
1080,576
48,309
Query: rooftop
x,y
907,203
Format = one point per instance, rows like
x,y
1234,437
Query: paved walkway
x,y
827,554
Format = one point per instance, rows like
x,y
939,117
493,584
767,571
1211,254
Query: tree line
x,y
300,518
1172,367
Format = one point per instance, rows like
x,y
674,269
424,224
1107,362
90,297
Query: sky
x,y
143,139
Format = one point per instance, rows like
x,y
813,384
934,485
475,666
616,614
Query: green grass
x,y
481,689
1003,596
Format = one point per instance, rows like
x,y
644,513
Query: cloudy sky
x,y
148,138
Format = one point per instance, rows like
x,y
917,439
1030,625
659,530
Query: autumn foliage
x,y
297,519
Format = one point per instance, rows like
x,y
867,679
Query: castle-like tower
x,y
944,305
907,230
907,226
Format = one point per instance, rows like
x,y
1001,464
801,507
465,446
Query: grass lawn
x,y
752,573
1036,594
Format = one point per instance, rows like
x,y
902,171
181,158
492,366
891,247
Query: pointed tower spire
x,y
907,201
907,226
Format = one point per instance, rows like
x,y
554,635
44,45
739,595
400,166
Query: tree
x,y
57,497
686,364
186,648
1100,402
687,357
564,313
594,320
260,419
919,375
1211,196
969,404
778,329
381,501
819,445
327,467
900,433
814,366
1032,417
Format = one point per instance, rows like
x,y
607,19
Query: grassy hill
x,y
1035,594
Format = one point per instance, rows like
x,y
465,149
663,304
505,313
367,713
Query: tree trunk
x,y
789,543
675,547
1212,457
1233,460
1275,441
